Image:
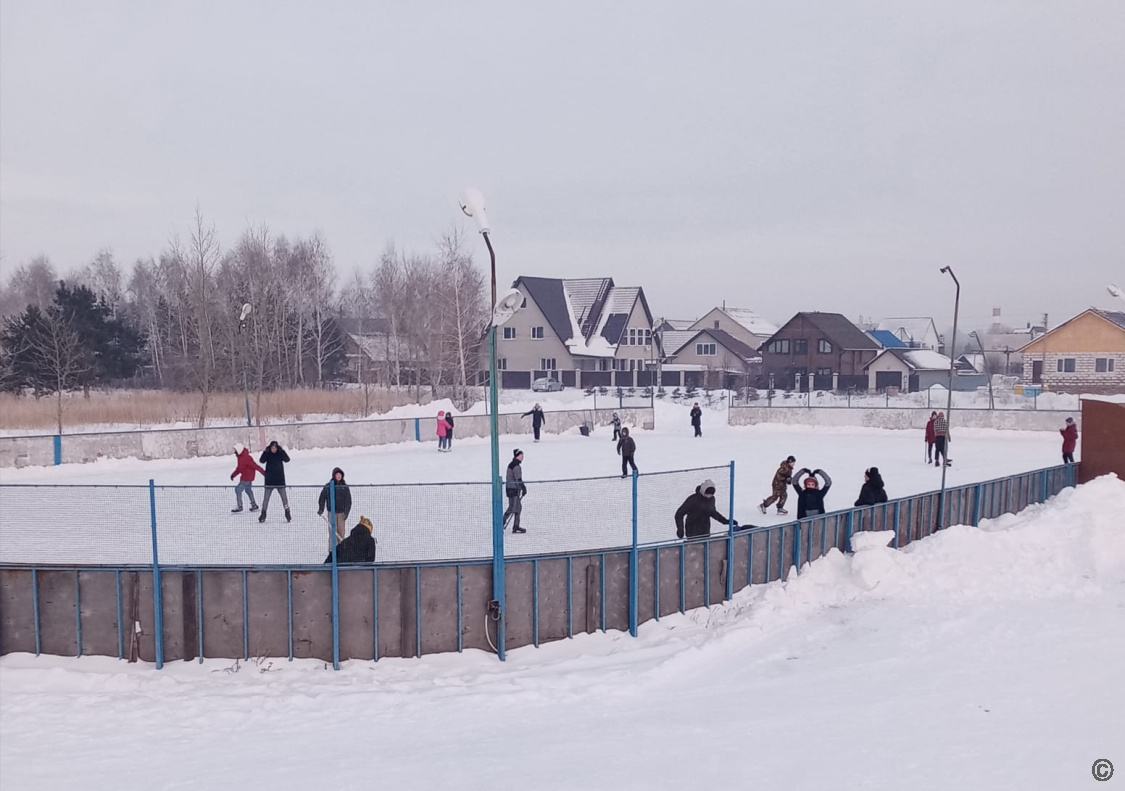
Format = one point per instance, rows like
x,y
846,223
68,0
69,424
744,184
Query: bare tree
x,y
34,283
463,312
55,351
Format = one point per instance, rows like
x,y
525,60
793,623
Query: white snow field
x,y
981,658
448,522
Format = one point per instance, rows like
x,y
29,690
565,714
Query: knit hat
x,y
365,522
1070,420
792,459
707,486
238,447
517,453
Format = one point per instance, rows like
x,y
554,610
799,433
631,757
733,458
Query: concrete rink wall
x,y
48,449
901,417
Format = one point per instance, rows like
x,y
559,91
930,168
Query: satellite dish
x,y
246,308
506,306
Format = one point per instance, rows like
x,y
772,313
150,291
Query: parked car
x,y
546,385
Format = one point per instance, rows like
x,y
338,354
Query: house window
x,y
706,349
501,363
632,336
823,346
632,365
648,337
800,346
1103,365
547,364
823,372
778,347
509,333
716,324
537,333
1065,365
523,304
603,365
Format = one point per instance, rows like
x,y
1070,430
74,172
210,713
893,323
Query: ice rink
x,y
428,505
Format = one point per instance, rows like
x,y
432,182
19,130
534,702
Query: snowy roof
x,y
914,328
589,315
752,321
678,324
917,359
674,340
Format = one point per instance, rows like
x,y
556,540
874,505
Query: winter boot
x,y
262,517
253,508
518,530
288,516
238,510
782,511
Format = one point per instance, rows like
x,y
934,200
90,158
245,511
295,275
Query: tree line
x,y
176,321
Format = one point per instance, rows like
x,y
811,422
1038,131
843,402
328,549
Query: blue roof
x,y
887,339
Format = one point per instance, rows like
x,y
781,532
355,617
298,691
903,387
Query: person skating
x,y
810,496
693,518
442,430
515,490
697,420
343,501
616,422
626,448
448,432
358,547
930,438
245,467
941,439
274,458
537,420
780,486
1070,440
873,491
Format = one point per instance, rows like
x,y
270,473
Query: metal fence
x,y
618,573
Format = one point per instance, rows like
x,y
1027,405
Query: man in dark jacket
x,y
693,518
537,420
359,547
343,501
697,420
810,497
780,486
626,447
1070,440
873,491
941,439
515,490
274,459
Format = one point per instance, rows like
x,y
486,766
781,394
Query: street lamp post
x,y
242,319
984,361
949,400
472,204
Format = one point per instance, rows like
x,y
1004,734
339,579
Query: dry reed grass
x,y
148,407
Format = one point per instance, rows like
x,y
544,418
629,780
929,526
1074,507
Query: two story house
x,y
822,351
1083,355
584,332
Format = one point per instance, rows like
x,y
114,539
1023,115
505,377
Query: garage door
x,y
885,379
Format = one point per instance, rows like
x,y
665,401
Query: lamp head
x,y
1115,291
472,204
506,307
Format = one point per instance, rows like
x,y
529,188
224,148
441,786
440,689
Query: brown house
x,y
821,350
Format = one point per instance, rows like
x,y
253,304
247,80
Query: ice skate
x,y
253,508
238,510
288,516
518,530
782,511
762,508
262,517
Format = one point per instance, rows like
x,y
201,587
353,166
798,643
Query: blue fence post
x,y
848,531
417,429
797,547
976,505
157,592
58,449
898,504
730,539
633,565
335,575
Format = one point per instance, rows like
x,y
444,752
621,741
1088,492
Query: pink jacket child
x,y
442,429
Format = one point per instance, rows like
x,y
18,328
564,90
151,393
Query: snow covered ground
x,y
976,659
445,522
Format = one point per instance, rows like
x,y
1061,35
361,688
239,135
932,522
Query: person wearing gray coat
x,y
515,490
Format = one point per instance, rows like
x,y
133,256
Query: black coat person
x,y
693,518
626,449
274,459
537,420
810,495
873,491
697,420
358,547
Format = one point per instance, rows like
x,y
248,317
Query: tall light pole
x,y
949,401
472,204
987,372
242,319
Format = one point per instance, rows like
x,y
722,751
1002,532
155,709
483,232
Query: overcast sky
x,y
781,156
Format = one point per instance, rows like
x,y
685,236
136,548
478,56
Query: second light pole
x,y
948,270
